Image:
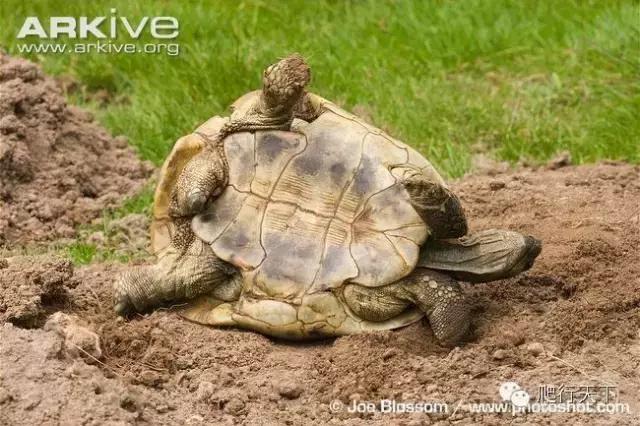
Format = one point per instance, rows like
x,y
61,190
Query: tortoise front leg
x,y
207,172
187,268
202,178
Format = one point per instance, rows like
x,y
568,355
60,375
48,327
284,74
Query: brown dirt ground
x,y
58,168
572,320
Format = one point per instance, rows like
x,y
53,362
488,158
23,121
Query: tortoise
x,y
300,220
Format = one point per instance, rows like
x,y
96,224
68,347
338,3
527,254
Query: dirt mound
x,y
57,167
571,321
31,289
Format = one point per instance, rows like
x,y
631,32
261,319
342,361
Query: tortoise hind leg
x,y
484,256
437,295
444,303
440,208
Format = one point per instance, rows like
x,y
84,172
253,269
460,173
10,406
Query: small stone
x,y
121,141
454,354
288,389
561,160
10,124
128,403
32,402
162,408
235,406
433,284
389,353
184,363
273,397
4,263
499,354
195,419
5,396
535,348
79,341
204,392
355,397
150,378
496,185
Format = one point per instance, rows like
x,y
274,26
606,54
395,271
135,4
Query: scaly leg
x,y
185,269
437,295
492,254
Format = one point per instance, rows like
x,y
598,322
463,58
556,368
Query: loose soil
x,y
58,168
66,359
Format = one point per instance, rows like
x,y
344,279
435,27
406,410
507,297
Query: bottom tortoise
x,y
299,220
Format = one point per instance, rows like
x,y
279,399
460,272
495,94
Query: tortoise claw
x,y
123,288
122,309
195,202
123,305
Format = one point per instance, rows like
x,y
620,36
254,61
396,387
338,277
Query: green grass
x,y
114,245
81,253
518,79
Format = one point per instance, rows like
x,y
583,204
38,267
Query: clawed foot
x,y
201,180
122,302
134,291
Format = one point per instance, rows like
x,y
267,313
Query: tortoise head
x,y
272,107
283,82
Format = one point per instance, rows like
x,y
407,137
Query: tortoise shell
x,y
305,211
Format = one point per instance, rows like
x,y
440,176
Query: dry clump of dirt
x,y
58,168
31,290
572,320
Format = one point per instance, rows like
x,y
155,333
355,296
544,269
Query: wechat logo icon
x,y
513,393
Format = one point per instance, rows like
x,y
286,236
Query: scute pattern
x,y
303,217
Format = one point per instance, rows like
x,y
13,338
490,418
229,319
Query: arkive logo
x,y
101,27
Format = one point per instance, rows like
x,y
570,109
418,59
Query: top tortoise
x,y
297,219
